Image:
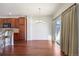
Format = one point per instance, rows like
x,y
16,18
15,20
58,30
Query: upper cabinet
x,y
17,23
22,20
13,22
1,22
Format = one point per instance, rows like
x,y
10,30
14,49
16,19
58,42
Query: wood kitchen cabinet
x,y
5,20
19,23
12,21
22,20
8,20
22,27
22,31
1,22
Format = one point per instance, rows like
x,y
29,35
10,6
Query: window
x,y
57,29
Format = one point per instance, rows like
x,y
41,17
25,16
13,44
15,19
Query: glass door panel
x,y
58,30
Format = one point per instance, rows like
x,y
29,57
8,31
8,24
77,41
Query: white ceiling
x,y
29,9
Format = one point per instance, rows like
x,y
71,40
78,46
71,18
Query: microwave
x,y
6,25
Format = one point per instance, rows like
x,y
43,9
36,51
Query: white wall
x,y
38,30
29,28
53,29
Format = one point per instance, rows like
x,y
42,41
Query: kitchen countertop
x,y
16,30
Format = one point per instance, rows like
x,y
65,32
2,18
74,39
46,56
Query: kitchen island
x,y
7,36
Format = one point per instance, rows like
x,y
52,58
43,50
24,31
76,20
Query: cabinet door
x,y
22,20
20,24
13,22
8,20
22,27
16,36
4,20
1,22
22,32
17,23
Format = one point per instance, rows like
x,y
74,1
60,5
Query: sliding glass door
x,y
57,29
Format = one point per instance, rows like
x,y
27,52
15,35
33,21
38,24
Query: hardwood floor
x,y
33,48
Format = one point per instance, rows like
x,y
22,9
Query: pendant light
x,y
39,16
39,19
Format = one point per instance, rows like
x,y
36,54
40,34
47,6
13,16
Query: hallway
x,y
33,48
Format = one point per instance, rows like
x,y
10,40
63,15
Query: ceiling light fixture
x,y
39,11
39,20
